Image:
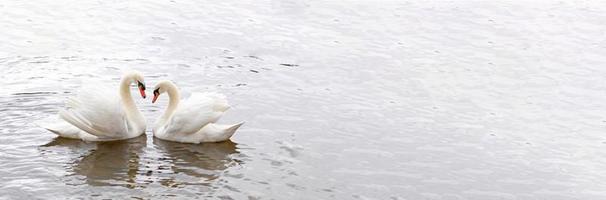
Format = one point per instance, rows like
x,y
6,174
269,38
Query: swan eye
x,y
157,92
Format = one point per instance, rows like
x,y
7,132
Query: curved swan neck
x,y
125,95
173,100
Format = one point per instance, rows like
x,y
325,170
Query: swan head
x,y
160,88
137,78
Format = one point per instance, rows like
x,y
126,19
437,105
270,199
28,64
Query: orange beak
x,y
155,98
142,91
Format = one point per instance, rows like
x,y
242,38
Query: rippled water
x,y
343,100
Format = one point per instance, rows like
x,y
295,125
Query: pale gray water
x,y
343,100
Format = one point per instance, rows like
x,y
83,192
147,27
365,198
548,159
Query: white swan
x,y
100,114
193,120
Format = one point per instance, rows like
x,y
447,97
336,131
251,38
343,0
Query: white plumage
x,y
192,120
99,113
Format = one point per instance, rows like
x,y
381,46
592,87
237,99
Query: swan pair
x,y
99,114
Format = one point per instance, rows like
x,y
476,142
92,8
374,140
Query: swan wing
x,y
197,111
98,111
64,129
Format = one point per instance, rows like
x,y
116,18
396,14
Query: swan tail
x,y
231,129
219,132
52,127
60,128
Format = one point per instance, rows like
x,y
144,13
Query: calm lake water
x,y
342,100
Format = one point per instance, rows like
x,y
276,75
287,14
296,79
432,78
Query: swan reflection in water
x,y
115,163
119,163
196,164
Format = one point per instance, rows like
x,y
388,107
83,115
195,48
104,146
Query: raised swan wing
x,y
196,111
97,110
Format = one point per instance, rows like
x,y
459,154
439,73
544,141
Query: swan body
x,y
192,120
100,114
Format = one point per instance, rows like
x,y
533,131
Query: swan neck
x,y
173,101
132,113
125,94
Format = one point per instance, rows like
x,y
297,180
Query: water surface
x,y
342,100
